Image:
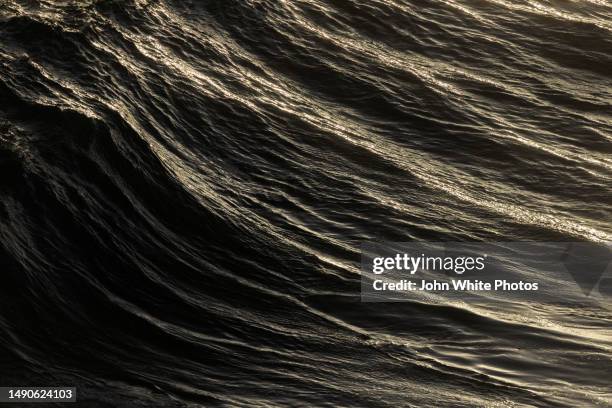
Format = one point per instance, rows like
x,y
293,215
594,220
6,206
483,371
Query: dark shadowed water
x,y
185,185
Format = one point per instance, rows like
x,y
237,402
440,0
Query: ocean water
x,y
185,185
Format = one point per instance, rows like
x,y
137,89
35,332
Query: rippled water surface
x,y
185,185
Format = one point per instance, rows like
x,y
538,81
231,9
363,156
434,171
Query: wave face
x,y
185,185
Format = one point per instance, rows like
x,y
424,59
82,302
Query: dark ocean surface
x,y
185,186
